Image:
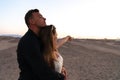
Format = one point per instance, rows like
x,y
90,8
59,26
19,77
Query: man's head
x,y
34,18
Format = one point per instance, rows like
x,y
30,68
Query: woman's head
x,y
48,38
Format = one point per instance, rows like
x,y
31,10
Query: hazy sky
x,y
78,18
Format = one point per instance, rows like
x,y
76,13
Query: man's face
x,y
39,20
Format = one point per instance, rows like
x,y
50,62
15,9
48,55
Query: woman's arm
x,y
63,40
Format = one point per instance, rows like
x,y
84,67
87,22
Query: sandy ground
x,y
84,59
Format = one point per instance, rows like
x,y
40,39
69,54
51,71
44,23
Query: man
x,y
29,51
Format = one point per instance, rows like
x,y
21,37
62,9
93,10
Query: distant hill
x,y
11,35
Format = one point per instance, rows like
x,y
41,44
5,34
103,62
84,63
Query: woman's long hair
x,y
46,35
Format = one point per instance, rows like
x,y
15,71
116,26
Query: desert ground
x,y
84,59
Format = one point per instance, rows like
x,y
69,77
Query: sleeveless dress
x,y
59,63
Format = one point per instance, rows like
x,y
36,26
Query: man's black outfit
x,y
31,62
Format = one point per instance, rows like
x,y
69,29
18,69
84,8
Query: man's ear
x,y
31,21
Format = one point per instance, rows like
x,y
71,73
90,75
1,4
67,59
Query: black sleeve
x,y
34,58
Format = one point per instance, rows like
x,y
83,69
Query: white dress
x,y
58,63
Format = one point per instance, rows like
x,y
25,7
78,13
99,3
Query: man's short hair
x,y
29,15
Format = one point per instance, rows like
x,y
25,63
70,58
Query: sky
x,y
78,18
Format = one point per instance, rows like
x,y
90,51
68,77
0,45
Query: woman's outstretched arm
x,y
63,40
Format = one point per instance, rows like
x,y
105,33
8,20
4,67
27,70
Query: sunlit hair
x,y
46,35
29,15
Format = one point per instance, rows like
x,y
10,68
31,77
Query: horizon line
x,y
18,35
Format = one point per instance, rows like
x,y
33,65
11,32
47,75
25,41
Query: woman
x,y
51,55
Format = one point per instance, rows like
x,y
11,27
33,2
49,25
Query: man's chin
x,y
41,26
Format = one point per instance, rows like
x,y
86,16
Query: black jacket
x,y
31,63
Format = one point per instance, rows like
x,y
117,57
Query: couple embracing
x,y
37,52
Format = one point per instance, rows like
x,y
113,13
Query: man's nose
x,y
44,18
